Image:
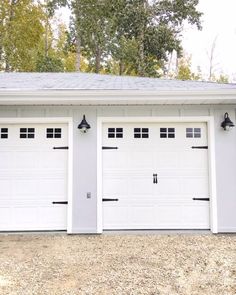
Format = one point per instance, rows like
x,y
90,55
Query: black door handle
x,y
155,178
109,200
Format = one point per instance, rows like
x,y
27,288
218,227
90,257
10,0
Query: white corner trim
x,y
211,158
45,120
83,230
212,175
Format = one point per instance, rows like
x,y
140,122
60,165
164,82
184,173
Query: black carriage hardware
x,y
155,178
109,200
204,147
60,147
61,202
201,199
110,148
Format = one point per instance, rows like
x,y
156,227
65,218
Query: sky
x,y
218,22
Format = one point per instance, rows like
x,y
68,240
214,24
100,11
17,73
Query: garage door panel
x,y
182,174
117,186
194,159
140,186
53,187
197,186
121,159
164,184
32,176
5,186
140,160
167,160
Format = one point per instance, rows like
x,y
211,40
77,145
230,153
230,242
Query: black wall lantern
x,y
227,123
84,125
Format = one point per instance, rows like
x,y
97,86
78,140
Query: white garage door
x,y
157,178
33,177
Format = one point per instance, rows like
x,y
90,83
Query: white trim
x,y
88,230
211,158
116,97
45,120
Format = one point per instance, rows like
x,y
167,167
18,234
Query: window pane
x,y
111,135
49,135
31,135
171,135
171,129
145,135
119,135
163,135
119,129
23,130
31,130
197,135
198,130
137,130
23,135
111,129
189,135
163,129
137,135
145,130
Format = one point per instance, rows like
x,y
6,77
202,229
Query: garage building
x,y
86,153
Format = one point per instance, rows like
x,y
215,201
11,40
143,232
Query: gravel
x,y
60,264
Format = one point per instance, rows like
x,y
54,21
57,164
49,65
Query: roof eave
x,y
115,97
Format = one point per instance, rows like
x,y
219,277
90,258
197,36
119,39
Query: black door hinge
x,y
200,147
60,147
61,202
110,148
109,200
201,199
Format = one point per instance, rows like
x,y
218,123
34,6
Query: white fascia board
x,y
115,97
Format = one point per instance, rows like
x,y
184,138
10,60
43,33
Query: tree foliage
x,y
21,30
131,37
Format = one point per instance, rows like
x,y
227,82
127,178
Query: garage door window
x,y
193,132
53,133
27,132
115,132
141,133
167,132
4,132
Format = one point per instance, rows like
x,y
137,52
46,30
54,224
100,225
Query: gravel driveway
x,y
118,264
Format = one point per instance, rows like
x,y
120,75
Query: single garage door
x,y
155,176
33,177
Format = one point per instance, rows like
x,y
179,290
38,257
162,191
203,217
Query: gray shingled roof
x,y
84,81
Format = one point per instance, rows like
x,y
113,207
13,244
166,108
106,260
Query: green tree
x,y
137,35
156,26
222,79
21,30
184,71
49,64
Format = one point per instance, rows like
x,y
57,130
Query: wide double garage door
x,y
33,177
155,176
